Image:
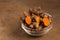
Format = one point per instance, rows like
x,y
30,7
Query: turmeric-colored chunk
x,y
28,20
46,21
37,21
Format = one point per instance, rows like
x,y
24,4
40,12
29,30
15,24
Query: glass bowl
x,y
34,33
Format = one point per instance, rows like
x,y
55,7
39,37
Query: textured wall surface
x,y
11,10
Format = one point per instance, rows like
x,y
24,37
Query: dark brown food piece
x,y
36,11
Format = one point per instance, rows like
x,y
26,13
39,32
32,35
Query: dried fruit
x,y
39,29
37,21
31,26
46,21
28,20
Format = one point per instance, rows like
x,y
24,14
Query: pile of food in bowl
x,y
36,22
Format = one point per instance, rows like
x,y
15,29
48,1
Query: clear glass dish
x,y
34,33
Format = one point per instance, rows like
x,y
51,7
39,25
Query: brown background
x,y
11,10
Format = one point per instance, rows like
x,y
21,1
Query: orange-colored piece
x,y
28,20
37,19
46,21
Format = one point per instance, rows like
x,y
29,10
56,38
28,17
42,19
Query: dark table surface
x,y
11,10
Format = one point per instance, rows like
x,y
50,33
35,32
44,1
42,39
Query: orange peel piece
x,y
46,21
28,20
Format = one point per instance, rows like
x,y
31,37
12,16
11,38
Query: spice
x,y
46,21
37,21
28,20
